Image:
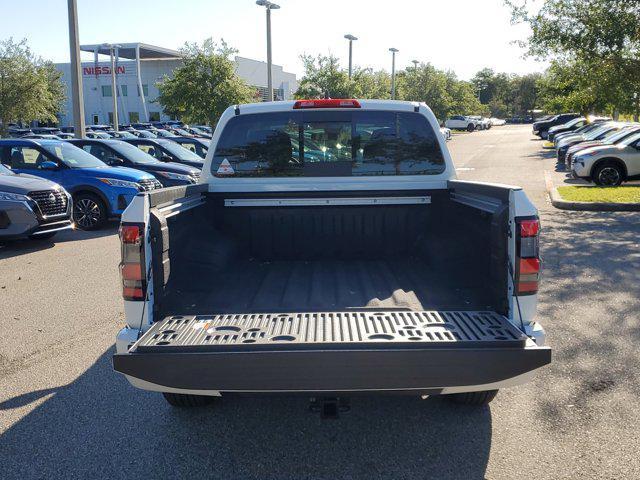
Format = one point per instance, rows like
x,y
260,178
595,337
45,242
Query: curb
x,y
558,202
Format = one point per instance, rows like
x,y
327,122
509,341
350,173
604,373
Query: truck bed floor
x,y
253,286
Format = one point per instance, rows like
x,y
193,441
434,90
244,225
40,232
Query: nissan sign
x,y
102,70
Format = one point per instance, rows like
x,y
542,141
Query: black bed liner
x,y
332,351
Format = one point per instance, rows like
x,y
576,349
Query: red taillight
x,y
132,266
529,227
130,234
528,265
528,276
327,103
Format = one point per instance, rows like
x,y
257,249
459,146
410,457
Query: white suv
x,y
460,122
609,165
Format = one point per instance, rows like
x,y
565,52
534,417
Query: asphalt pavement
x,y
65,414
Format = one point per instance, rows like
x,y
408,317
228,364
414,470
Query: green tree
x,y
323,75
367,83
424,83
601,38
204,85
30,88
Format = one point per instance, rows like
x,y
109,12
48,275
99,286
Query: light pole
x,y
114,89
269,6
393,72
351,38
76,74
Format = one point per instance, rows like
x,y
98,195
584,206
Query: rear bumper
x,y
378,370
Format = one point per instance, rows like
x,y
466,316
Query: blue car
x,y
99,192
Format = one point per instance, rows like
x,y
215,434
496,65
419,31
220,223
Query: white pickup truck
x,y
329,252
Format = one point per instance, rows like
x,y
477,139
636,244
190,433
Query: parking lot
x,y
65,414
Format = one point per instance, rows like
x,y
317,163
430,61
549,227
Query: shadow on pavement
x,y
99,426
590,312
15,248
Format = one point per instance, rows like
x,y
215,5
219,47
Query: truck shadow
x,y
100,426
589,306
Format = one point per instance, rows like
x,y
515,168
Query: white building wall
x,y
98,107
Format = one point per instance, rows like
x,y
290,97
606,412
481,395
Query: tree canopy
x,y
596,43
204,85
442,91
30,88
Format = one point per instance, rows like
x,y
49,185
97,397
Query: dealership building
x,y
139,67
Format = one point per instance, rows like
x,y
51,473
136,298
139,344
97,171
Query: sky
x,y
460,35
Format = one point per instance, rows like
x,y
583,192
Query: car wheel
x,y
184,400
608,175
473,398
544,135
471,127
89,212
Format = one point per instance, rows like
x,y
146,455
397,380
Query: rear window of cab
x,y
327,144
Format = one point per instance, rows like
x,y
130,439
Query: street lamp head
x,y
267,4
394,50
348,36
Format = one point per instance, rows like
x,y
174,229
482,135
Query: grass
x,y
600,194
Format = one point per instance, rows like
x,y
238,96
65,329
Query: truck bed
x,y
252,286
422,351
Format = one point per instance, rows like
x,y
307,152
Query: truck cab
x,y
330,251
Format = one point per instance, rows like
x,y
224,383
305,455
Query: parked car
x,y
197,132
92,134
162,133
121,134
122,154
205,128
31,206
609,165
589,127
167,150
197,145
612,138
388,288
570,126
482,123
596,134
497,122
41,135
446,133
460,122
541,128
143,133
99,191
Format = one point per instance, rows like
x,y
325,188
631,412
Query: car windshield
x,y
180,152
593,134
587,128
5,171
630,139
618,135
125,134
147,134
328,144
132,153
72,156
571,123
164,133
